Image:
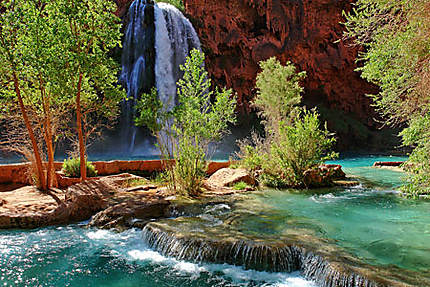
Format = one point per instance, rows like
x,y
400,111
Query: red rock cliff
x,y
237,34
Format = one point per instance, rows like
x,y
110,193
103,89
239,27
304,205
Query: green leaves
x,y
294,140
150,112
202,117
396,37
278,92
302,145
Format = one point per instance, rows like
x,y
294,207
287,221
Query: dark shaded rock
x,y
388,163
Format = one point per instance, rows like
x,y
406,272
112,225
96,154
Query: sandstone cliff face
x,y
237,34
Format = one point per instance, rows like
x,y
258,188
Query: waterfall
x,y
158,38
326,269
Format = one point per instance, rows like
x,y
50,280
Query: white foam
x,y
147,255
100,235
129,246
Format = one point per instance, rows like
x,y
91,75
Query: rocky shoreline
x,y
112,204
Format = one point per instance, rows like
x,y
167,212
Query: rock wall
x,y
237,34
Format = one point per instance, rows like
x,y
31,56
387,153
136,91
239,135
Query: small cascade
x,y
157,41
203,246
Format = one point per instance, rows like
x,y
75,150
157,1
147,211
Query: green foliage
x,y
278,92
88,31
184,133
149,110
418,167
301,146
72,168
294,140
252,152
198,121
396,37
48,45
240,185
274,181
177,3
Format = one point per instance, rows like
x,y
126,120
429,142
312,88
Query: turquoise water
x,y
369,221
362,168
75,256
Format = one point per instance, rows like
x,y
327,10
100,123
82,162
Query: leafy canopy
x,y
396,38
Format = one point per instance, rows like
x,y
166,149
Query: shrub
x,y
240,185
418,178
72,168
301,146
184,133
197,122
294,141
251,152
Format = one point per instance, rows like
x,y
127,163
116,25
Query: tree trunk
x,y
80,132
50,174
39,166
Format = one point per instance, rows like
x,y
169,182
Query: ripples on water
x,y
74,256
369,220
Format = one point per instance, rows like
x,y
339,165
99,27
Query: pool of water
x,y
369,221
75,256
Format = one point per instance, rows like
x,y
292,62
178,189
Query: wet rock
x,y
388,163
131,213
323,176
192,239
227,177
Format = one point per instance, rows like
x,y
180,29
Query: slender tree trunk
x,y
50,180
80,132
39,165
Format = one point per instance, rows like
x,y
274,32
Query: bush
x,y
240,185
251,152
301,146
185,132
72,168
294,141
197,122
418,178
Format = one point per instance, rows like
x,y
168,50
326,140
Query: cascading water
x,y
157,41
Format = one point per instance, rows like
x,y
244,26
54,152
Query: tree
x,y
201,117
13,72
294,141
396,40
278,92
88,30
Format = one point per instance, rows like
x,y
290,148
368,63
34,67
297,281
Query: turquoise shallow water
x,y
74,256
369,221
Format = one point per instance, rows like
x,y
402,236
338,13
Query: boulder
x,y
227,177
135,212
323,176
